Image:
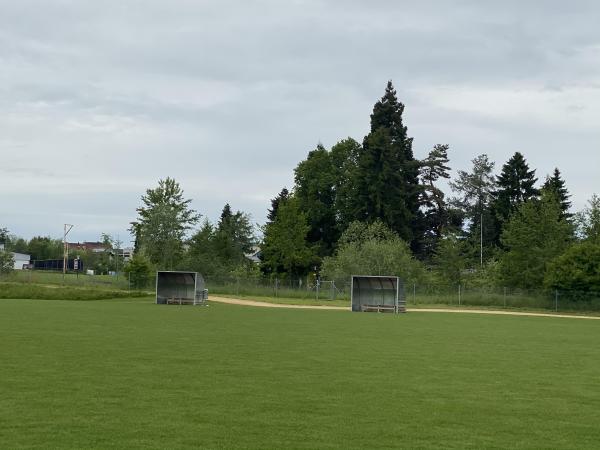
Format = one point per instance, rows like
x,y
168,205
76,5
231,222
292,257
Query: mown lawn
x,y
131,374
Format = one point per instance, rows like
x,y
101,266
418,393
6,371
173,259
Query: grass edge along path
x,y
12,290
267,304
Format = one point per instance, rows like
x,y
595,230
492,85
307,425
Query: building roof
x,y
94,246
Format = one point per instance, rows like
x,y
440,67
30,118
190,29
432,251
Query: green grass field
x,y
70,279
131,374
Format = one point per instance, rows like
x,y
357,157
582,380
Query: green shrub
x,y
139,270
371,250
7,262
577,269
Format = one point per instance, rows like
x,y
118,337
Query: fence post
x,y
415,293
556,300
458,294
276,285
505,297
318,289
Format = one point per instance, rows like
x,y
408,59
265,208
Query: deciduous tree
x,y
138,270
577,269
344,157
371,249
163,222
41,248
314,191
534,235
588,221
449,258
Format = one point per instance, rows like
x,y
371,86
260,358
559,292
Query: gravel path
x,y
236,301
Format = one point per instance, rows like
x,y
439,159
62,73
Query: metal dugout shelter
x,y
377,293
180,288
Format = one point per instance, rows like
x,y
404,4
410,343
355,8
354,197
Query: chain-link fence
x,y
50,278
502,297
417,294
299,288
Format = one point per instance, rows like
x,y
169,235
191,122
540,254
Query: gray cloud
x,y
99,100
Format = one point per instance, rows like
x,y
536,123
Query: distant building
x,y
96,247
254,254
21,260
126,253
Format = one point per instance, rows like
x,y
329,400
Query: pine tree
x,y
475,189
534,235
226,215
387,185
282,196
588,221
556,185
202,254
233,237
284,248
516,185
437,215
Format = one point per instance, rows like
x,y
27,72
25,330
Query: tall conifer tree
x,y
281,197
556,185
516,185
438,217
387,173
474,190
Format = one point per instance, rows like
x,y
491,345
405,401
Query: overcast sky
x,y
100,99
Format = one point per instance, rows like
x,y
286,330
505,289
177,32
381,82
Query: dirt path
x,y
236,301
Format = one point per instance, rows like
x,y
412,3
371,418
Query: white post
x,y
481,242
65,248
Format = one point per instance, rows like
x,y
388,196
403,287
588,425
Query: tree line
x,y
46,247
373,207
504,229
